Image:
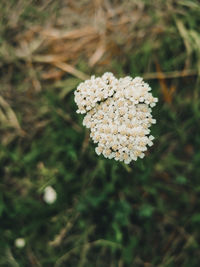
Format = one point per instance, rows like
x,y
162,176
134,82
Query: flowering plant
x,y
118,113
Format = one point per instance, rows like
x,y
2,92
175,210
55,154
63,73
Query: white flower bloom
x,y
20,242
50,195
118,113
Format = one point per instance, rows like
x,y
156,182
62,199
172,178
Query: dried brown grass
x,y
96,31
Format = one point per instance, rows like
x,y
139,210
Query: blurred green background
x,y
106,213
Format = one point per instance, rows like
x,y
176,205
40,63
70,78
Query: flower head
x,y
118,114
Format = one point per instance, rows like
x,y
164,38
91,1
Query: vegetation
x,y
106,213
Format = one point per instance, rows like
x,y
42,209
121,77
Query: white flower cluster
x,y
92,91
118,115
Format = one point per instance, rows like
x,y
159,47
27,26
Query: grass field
x,y
106,213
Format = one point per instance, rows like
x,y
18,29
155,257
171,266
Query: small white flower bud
x,y
20,242
50,195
